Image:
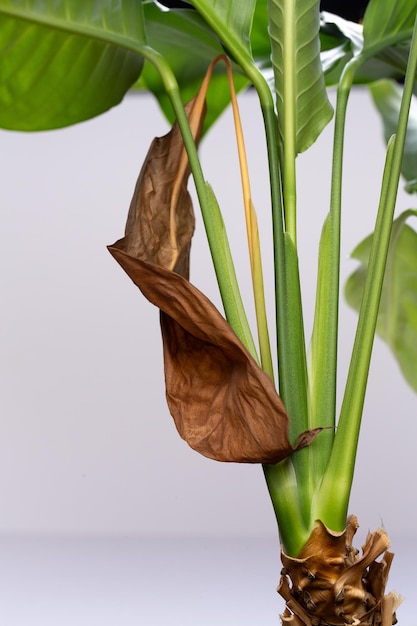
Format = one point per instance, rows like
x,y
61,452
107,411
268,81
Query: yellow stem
x,y
252,235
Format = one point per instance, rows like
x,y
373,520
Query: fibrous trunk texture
x,y
331,583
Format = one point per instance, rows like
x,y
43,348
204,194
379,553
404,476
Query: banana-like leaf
x,y
384,18
223,404
260,43
231,20
387,99
389,26
299,82
397,320
65,62
341,40
176,34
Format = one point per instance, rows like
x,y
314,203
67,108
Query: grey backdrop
x,y
87,446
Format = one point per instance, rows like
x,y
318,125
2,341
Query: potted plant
x,y
228,399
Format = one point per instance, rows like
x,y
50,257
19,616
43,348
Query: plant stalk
x,y
333,496
213,222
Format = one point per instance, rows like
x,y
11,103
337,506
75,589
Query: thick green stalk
x,y
333,496
290,338
323,364
281,479
282,486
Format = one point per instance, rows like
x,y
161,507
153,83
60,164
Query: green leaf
x,y
293,385
387,99
397,320
299,83
64,62
387,31
231,20
384,18
260,44
341,40
175,35
294,390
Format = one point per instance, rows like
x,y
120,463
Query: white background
x,y
87,447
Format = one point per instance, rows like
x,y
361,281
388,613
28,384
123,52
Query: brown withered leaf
x,y
160,223
222,403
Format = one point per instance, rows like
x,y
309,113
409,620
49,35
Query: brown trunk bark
x,y
330,583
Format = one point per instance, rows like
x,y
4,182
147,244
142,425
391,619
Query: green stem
x,y
291,362
291,358
213,222
287,509
323,370
283,489
292,368
282,480
290,333
333,496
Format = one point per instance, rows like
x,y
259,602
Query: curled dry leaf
x,y
222,403
330,583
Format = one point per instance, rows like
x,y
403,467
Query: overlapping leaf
x,y
384,18
176,34
389,26
397,320
64,62
342,39
233,19
299,82
222,403
387,97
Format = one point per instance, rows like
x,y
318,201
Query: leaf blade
x,y
397,319
68,62
341,40
173,34
234,19
387,99
385,18
299,80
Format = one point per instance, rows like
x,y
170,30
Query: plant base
x,y
331,584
